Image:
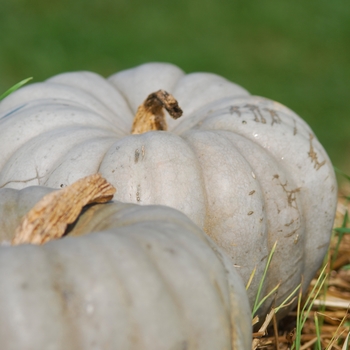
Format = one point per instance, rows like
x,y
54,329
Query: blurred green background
x,y
295,52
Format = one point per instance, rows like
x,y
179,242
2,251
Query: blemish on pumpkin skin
x,y
251,192
290,234
263,258
250,213
291,194
138,193
291,197
313,155
235,110
258,117
275,118
137,155
295,130
289,223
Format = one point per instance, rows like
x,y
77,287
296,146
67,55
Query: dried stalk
x,y
49,218
150,115
263,328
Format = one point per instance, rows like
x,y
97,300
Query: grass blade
x,y
297,342
313,294
15,87
285,301
257,299
318,333
340,172
342,230
267,296
303,313
250,278
347,342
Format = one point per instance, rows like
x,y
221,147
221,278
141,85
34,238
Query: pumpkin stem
x,y
150,115
48,219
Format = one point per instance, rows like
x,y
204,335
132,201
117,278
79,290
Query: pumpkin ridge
x,y
188,329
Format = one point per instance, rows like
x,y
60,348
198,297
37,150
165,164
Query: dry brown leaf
x,y
49,218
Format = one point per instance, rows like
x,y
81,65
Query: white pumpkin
x,y
146,278
246,169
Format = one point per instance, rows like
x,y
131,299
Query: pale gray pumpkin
x,y
146,278
246,169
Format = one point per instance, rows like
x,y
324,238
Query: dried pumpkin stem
x,y
150,115
49,218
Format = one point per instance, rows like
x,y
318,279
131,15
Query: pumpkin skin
x,y
145,278
246,169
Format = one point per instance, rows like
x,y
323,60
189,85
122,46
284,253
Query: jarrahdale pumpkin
x,y
245,169
146,277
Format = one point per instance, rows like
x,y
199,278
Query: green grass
x,y
14,88
322,282
296,52
303,311
260,301
305,304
